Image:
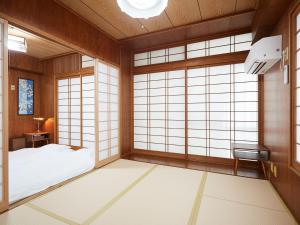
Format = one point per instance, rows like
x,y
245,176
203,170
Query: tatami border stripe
x,y
117,197
197,201
51,214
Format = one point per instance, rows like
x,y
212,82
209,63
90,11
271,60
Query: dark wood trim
x,y
237,57
83,71
25,70
195,158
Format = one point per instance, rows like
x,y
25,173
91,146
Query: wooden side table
x,y
250,152
37,137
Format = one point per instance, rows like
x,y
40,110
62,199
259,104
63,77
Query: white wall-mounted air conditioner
x,y
263,55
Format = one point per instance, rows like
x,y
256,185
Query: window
x,y
234,43
218,46
87,61
295,51
221,103
75,111
108,110
160,56
159,111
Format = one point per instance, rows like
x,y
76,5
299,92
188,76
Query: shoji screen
x,y
222,108
108,111
88,111
63,116
75,111
218,46
197,111
159,111
296,68
159,56
3,116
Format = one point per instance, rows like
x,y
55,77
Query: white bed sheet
x,y
32,170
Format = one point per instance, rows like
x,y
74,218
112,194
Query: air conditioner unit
x,y
263,55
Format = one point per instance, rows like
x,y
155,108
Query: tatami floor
x,y
135,193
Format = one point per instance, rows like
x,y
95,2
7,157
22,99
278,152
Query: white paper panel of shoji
x,y
88,111
63,111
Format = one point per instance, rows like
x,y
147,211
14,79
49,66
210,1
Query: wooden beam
x,y
237,57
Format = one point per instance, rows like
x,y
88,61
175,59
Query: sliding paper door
x,y
198,111
159,111
222,109
107,113
3,117
69,111
88,112
76,111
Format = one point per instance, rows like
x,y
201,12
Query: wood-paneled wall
x,y
126,101
22,66
50,19
277,127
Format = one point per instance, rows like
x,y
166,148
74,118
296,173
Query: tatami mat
x,y
240,189
220,212
165,197
80,199
135,193
24,215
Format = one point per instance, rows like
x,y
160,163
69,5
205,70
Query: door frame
x,y
4,203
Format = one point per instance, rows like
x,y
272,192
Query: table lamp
x,y
38,119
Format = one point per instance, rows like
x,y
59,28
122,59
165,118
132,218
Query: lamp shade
x,y
142,8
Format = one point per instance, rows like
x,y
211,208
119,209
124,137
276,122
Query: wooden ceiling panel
x,y
156,23
244,5
89,14
109,10
107,15
183,12
216,8
39,47
240,22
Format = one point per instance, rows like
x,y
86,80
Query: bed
x,y
32,170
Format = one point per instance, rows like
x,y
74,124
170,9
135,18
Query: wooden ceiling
x,y
39,47
106,14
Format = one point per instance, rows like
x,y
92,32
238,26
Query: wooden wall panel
x,y
277,127
18,125
49,19
126,101
21,61
22,66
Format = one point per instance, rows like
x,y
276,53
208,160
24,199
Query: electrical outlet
x,y
12,87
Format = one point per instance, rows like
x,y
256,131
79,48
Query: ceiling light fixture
x,y
16,43
142,8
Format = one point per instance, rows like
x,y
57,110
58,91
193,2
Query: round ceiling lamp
x,y
142,8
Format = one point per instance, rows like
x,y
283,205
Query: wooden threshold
x,y
246,168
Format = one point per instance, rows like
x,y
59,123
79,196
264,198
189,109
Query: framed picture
x,y
25,97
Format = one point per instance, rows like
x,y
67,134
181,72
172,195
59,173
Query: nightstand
x,y
37,137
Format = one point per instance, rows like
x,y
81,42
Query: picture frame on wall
x,y
25,97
